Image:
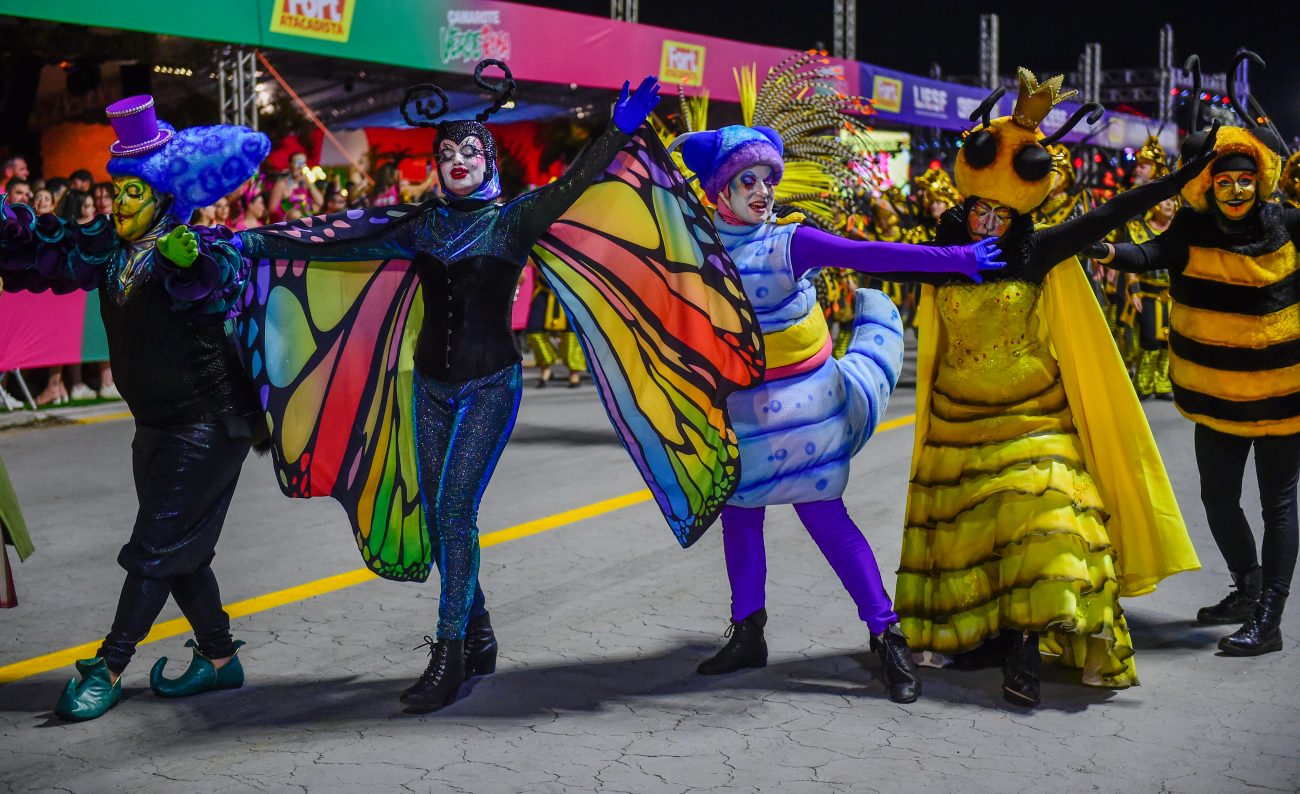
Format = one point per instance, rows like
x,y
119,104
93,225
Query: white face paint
x,y
749,195
462,166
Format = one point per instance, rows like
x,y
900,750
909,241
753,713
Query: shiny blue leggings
x,y
460,431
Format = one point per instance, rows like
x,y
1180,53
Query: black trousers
x,y
1221,459
1148,320
185,476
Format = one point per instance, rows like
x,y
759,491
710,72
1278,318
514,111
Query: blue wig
x,y
198,165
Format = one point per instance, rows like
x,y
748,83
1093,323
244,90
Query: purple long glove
x,y
813,248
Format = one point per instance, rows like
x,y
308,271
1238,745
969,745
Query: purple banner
x,y
904,99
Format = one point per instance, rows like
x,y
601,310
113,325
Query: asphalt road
x,y
601,624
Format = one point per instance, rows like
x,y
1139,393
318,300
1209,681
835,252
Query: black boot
x,y
896,665
441,680
1263,630
480,647
745,648
1020,683
1238,605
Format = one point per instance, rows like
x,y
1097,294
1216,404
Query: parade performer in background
x,y
626,247
1151,292
1038,497
13,532
166,294
812,413
546,318
1065,202
1231,259
1290,181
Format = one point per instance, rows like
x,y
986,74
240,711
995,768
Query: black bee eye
x,y
980,149
1032,163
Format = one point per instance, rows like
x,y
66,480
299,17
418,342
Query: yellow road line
x,y
94,420
171,628
262,603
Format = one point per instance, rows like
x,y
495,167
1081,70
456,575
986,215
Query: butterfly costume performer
x,y
1038,497
166,303
345,305
812,413
1235,333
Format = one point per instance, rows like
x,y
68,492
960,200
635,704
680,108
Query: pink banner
x,y
561,47
41,329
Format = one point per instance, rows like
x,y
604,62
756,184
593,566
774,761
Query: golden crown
x,y
1037,99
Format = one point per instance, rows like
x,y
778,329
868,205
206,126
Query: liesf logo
x,y
318,19
887,94
930,101
471,36
681,63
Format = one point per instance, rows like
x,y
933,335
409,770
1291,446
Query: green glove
x,y
180,246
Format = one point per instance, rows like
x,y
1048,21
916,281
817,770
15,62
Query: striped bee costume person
x,y
1235,361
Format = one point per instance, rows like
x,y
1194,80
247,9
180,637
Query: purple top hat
x,y
136,124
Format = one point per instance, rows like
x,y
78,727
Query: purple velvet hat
x,y
136,123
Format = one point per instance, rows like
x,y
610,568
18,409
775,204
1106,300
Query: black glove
x,y
1196,162
1097,250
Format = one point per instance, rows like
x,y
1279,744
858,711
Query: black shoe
x,y
1263,630
480,647
441,680
1020,684
896,665
745,648
1238,605
1167,396
987,655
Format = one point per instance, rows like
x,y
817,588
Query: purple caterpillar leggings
x,y
840,541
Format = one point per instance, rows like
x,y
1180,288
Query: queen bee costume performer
x,y
1235,333
799,429
166,294
1038,497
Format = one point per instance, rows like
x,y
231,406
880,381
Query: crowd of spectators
x,y
269,197
78,199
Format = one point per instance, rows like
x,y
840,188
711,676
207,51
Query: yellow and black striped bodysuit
x,y
1235,321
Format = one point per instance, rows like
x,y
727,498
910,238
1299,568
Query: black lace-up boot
x,y
897,666
480,647
1263,630
745,647
1239,604
441,680
1020,684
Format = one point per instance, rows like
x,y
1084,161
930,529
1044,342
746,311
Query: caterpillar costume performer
x,y
1231,258
626,247
1038,497
799,429
166,295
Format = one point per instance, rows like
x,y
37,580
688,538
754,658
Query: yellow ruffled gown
x,y
1006,526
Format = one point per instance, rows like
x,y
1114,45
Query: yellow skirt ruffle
x,y
1006,530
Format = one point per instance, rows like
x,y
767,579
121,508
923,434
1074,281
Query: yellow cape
x,y
1145,525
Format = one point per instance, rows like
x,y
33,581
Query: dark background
x,y
1047,36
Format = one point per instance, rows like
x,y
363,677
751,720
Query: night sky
x,y
1047,36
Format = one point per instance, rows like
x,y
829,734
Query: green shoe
x,y
202,676
96,693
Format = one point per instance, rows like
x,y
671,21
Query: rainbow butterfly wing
x,y
329,346
665,325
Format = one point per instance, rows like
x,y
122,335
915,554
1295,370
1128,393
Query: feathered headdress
x,y
824,151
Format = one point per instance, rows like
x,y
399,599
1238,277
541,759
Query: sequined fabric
x,y
460,431
1005,527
